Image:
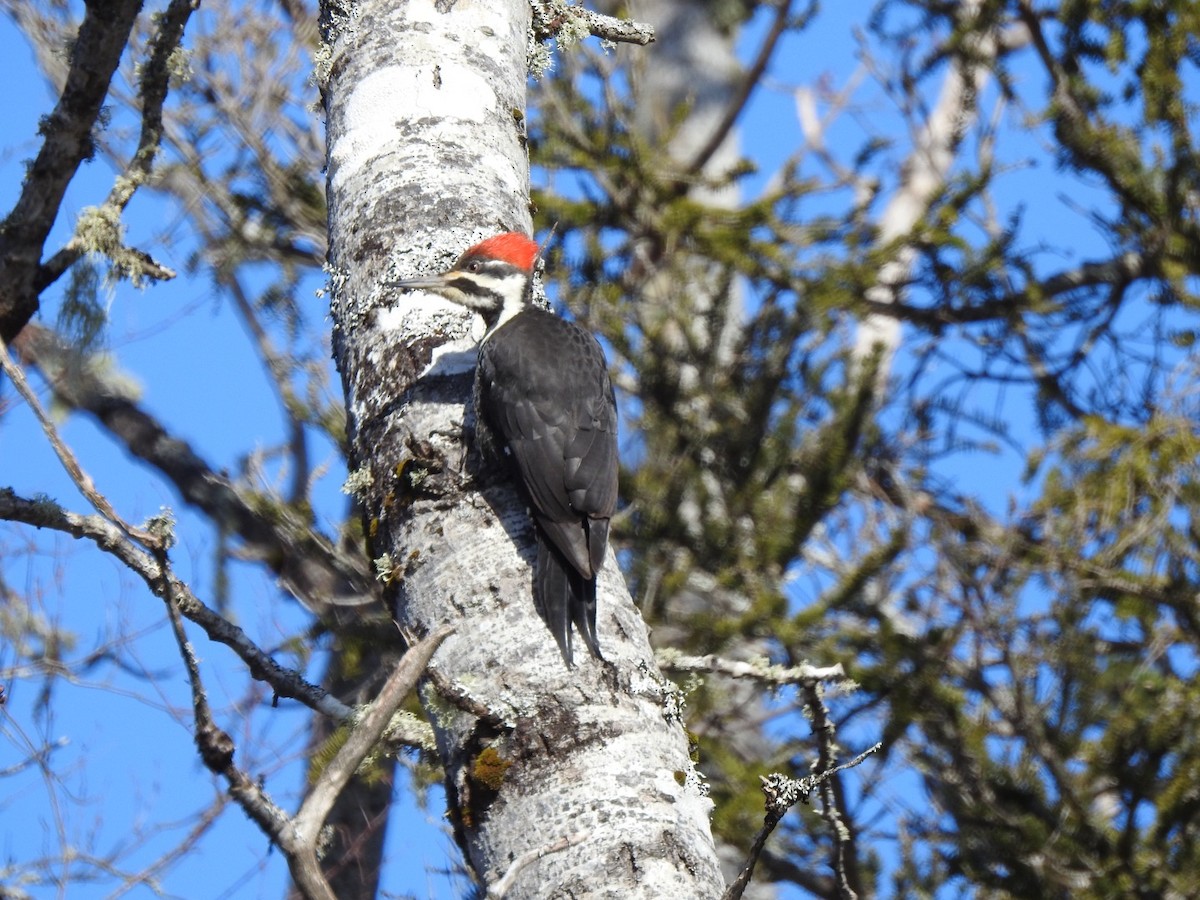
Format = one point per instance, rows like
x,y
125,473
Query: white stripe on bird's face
x,y
496,292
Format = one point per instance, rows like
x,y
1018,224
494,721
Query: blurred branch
x,y
1119,270
155,75
68,141
279,367
925,173
749,82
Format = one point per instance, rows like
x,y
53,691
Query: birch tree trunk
x,y
559,782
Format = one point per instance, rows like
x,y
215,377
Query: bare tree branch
x,y
782,794
756,669
216,746
551,17
750,81
68,141
307,824
41,512
156,75
845,856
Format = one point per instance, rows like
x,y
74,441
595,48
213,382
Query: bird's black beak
x,y
429,282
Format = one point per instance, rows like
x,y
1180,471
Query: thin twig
x,y
781,794
45,513
279,367
824,769
216,746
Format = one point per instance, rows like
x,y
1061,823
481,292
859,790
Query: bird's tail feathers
x,y
563,597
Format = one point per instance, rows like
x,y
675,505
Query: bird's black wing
x,y
543,388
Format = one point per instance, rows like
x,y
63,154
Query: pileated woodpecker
x,y
542,391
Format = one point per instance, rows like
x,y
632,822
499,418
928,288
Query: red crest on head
x,y
510,247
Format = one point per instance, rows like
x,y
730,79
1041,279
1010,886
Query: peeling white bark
x,y
425,110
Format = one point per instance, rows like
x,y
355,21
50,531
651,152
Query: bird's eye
x,y
473,267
